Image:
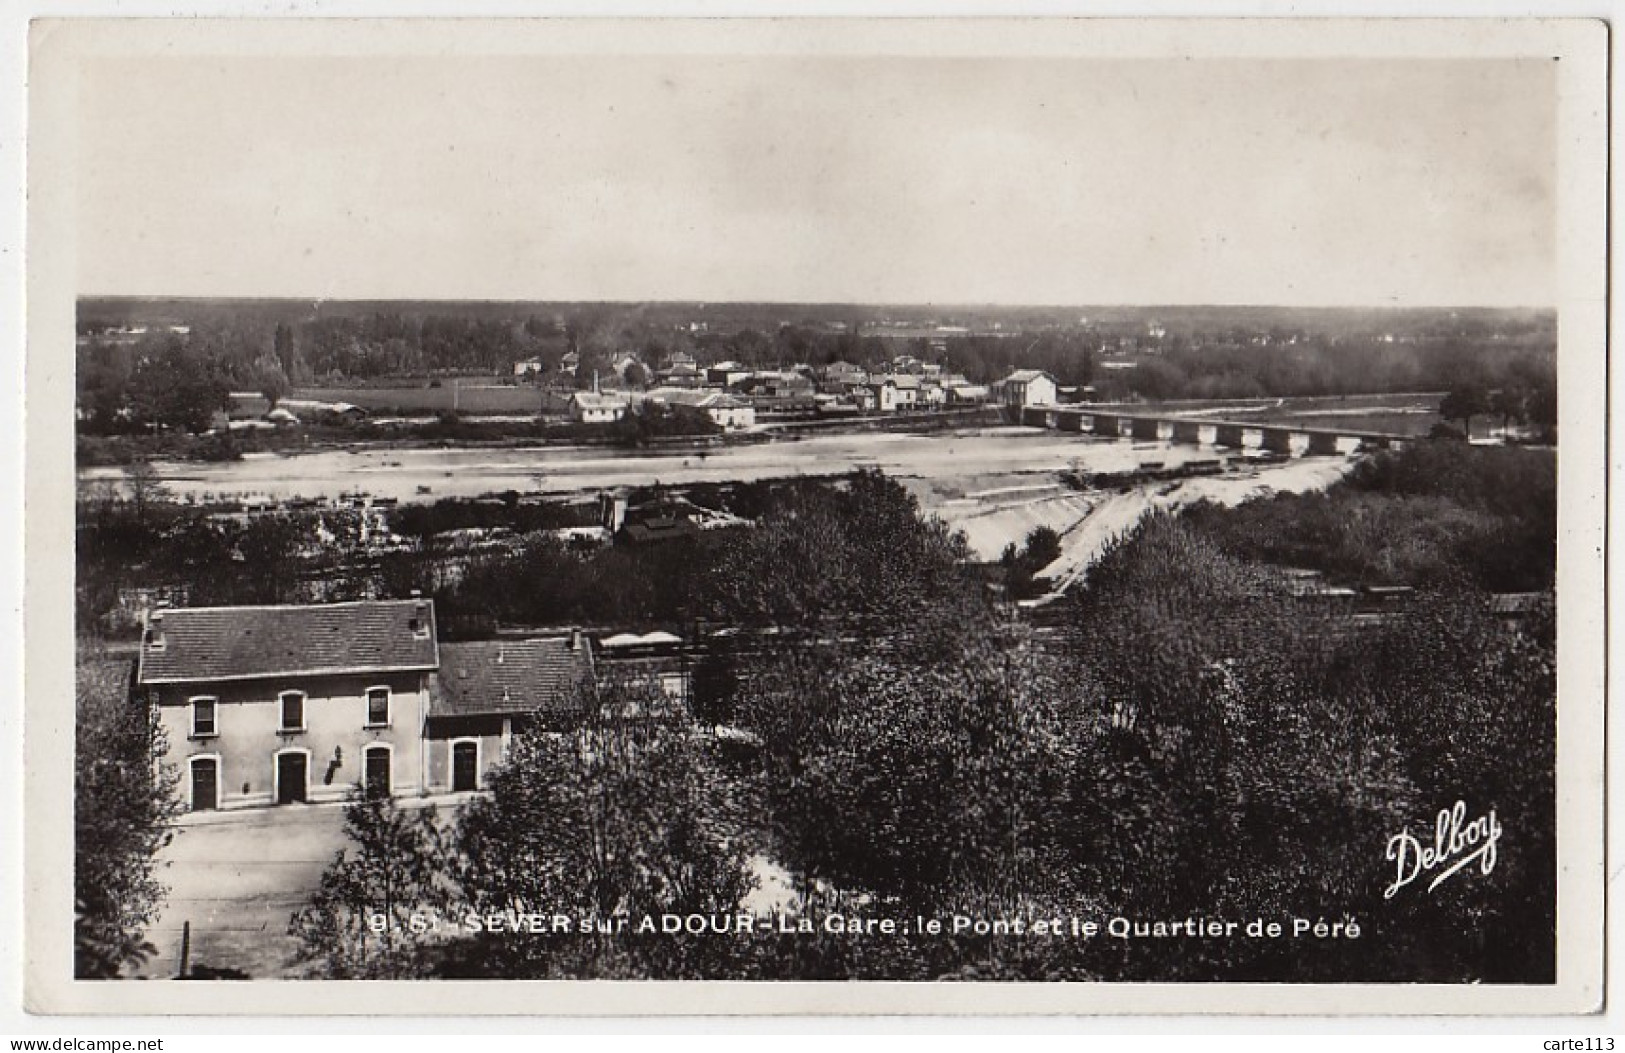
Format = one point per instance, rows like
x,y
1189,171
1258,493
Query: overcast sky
x,y
1065,181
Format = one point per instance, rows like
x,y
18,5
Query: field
x,y
474,398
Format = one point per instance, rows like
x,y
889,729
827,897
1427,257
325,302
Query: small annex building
x,y
486,691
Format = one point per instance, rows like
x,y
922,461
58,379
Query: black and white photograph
x,y
1046,508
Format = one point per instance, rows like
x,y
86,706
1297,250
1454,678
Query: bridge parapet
x,y
1275,437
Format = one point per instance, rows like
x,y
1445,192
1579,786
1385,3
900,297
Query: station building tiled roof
x,y
548,676
203,644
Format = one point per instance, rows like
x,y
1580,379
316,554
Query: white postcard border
x,y
48,615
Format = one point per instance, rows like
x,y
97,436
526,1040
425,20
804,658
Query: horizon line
x,y
1028,305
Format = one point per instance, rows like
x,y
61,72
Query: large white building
x,y
283,705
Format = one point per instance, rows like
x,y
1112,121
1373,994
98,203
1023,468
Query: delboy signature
x,y
1456,843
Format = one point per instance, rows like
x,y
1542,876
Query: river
x,y
427,474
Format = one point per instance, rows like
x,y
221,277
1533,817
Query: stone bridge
x,y
1275,437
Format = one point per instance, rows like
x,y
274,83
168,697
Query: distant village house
x,y
1028,387
592,407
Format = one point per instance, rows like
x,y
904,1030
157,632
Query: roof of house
x,y
588,400
315,406
781,377
658,637
1027,376
544,675
659,528
199,644
697,398
1517,602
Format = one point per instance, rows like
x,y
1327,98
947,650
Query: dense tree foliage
x,y
908,780
374,915
858,555
1463,404
423,521
1185,736
542,582
1430,512
1235,354
123,803
648,421
615,819
1042,547
1195,742
1287,747
136,543
176,386
1322,366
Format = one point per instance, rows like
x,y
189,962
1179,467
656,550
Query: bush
x,y
1432,512
217,446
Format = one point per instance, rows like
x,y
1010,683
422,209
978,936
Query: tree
x,y
616,818
1511,404
1463,404
909,780
648,419
270,379
124,802
177,387
283,347
1543,409
1258,754
1043,547
144,487
102,375
859,554
1475,704
270,548
382,901
713,685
